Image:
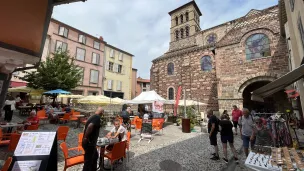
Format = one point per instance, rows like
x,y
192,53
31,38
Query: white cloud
x,y
142,27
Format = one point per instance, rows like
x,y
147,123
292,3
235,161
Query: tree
x,y
57,72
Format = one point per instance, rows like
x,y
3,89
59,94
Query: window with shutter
x,y
96,45
80,54
110,84
107,65
118,86
301,31
119,68
111,66
95,58
123,70
94,76
63,31
112,53
82,39
61,46
120,57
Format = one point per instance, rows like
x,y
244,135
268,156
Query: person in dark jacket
x,y
227,136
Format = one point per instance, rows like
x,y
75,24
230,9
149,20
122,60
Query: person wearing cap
x,y
261,134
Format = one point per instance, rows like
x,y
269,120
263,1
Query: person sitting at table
x,y
31,120
67,109
119,132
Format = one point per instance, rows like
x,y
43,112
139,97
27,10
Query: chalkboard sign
x,y
146,130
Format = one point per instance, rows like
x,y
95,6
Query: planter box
x,y
186,125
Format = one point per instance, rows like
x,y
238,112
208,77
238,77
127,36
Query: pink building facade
x,y
87,50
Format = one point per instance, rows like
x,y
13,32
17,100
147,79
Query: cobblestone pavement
x,y
172,150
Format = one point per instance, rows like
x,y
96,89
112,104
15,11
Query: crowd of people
x,y
252,131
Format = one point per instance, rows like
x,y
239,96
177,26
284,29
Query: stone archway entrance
x,y
274,103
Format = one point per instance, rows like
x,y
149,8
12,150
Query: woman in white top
x,y
9,108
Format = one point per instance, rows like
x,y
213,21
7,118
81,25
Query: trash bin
x,y
186,125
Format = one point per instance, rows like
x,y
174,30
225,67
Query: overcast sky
x,y
142,27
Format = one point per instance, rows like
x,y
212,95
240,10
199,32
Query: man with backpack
x,y
213,128
246,124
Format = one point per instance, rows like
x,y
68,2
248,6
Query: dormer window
x,y
182,18
176,20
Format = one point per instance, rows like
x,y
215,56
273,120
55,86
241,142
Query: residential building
x,y
143,85
118,73
22,36
134,83
292,29
222,65
87,50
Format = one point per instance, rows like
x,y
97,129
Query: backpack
x,y
242,118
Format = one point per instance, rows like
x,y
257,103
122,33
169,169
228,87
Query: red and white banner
x,y
158,107
177,99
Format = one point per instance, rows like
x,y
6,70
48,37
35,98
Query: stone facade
x,y
223,85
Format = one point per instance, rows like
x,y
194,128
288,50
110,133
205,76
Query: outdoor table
x,y
78,121
102,149
10,126
25,110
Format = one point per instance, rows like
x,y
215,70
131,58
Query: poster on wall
x,y
158,107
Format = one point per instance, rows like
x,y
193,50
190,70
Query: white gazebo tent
x,y
148,97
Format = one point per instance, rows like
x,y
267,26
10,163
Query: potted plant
x,y
189,121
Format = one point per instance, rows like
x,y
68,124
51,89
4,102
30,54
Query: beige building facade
x,y
134,83
117,73
292,26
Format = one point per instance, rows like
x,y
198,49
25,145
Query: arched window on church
x,y
182,18
176,34
170,68
182,33
257,46
187,31
171,93
206,63
187,16
176,20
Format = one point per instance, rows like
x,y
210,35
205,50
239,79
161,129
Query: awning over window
x,y
278,84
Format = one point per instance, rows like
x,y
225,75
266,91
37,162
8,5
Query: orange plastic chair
x,y
14,142
76,113
62,132
70,161
134,120
4,138
80,137
32,127
7,164
118,152
41,114
138,124
66,117
158,126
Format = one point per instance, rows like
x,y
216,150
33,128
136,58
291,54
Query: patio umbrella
x,y
25,89
100,99
57,91
190,103
117,100
73,96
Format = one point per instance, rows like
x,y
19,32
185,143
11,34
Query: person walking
x,y
227,136
246,124
236,114
213,128
9,107
91,133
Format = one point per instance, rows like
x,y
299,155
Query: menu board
x,y
35,143
29,165
146,129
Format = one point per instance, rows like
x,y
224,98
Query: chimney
x,y
101,38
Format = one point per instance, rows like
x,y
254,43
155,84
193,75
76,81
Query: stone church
x,y
222,65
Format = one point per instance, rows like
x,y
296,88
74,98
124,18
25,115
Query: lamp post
x,y
185,114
